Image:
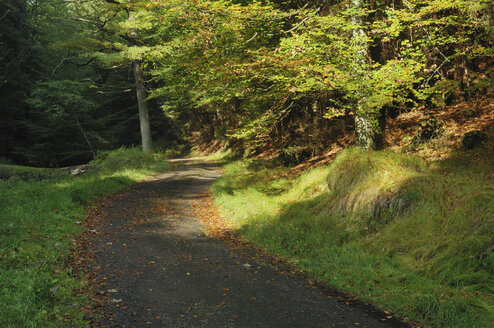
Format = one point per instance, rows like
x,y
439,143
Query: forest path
x,y
151,265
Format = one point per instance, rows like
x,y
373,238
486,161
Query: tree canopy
x,y
238,71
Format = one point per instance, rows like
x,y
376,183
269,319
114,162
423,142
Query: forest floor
x,y
457,119
151,262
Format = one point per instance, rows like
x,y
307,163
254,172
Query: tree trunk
x,y
365,129
365,134
143,107
141,98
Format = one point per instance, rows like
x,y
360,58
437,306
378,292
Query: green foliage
x,y
61,96
295,154
246,63
39,214
410,237
237,67
63,107
60,103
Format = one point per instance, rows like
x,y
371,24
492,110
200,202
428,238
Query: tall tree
x,y
141,96
143,106
365,128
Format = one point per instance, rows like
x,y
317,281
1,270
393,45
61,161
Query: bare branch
x,y
64,59
5,15
252,38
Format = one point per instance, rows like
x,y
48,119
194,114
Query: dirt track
x,y
153,266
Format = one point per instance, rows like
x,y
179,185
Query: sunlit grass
x,y
39,213
408,236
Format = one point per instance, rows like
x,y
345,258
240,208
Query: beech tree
x,y
141,96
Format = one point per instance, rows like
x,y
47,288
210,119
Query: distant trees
x,y
18,66
62,97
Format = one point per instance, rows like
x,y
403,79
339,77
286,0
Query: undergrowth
x,y
40,210
412,237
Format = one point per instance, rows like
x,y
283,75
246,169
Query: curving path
x,y
153,266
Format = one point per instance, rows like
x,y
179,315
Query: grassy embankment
x,y
412,237
39,213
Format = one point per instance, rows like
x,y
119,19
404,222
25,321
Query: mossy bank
x,y
410,237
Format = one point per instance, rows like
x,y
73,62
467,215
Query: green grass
x,y
39,210
24,172
407,236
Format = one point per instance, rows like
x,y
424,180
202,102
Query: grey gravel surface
x,y
159,269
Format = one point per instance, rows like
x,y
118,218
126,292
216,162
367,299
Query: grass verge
x,y
407,236
39,213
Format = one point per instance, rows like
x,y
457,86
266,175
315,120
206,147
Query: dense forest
x,y
283,76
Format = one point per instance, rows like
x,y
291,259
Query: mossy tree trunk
x,y
365,128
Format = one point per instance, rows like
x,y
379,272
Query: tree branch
x,y
5,15
60,64
300,23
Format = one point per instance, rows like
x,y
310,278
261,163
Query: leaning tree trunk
x,y
365,129
141,98
143,107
